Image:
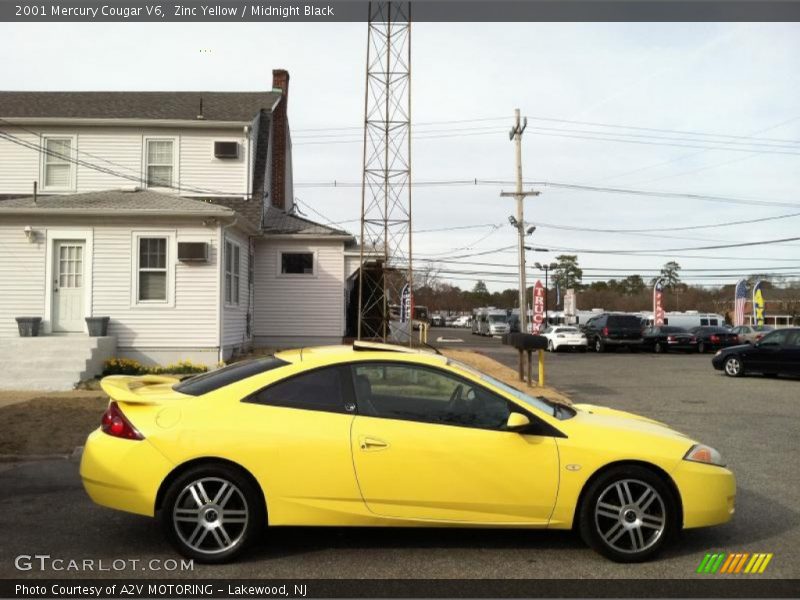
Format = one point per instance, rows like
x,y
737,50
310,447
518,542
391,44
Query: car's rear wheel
x,y
599,346
212,513
658,348
701,347
734,366
550,346
628,514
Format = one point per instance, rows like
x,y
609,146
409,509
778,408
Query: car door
x,y
766,355
430,445
294,436
792,353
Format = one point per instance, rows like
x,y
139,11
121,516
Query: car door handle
x,y
368,443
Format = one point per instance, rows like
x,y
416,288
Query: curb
x,y
12,458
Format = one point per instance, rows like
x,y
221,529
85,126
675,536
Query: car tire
x,y
550,346
733,366
628,514
212,513
701,347
658,348
599,345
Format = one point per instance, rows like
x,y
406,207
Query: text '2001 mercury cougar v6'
x,y
376,435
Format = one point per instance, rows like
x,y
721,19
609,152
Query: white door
x,y
68,282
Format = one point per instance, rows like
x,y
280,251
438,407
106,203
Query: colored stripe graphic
x,y
735,563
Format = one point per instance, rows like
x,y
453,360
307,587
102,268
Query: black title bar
x,y
339,11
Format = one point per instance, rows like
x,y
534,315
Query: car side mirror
x,y
517,422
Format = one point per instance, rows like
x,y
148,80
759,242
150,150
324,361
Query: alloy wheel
x,y
630,516
210,515
733,366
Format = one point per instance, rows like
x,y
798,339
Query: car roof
x,y
360,350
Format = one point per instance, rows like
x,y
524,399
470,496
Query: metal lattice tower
x,y
386,245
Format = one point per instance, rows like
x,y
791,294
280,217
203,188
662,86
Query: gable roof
x,y
114,202
277,222
217,106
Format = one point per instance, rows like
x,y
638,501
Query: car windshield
x,y
497,318
557,409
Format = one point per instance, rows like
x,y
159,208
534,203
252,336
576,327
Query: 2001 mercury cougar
x,y
374,435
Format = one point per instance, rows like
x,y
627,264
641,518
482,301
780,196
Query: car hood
x,y
603,417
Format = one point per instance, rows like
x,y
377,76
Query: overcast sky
x,y
726,79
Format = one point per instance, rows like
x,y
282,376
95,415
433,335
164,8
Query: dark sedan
x,y
666,338
777,353
714,338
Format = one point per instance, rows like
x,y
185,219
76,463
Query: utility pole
x,y
519,222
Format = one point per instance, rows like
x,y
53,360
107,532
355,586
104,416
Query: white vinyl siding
x,y
120,153
189,326
298,307
22,273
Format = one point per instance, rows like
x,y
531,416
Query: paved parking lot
x,y
752,421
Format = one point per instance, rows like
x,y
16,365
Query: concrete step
x,y
52,362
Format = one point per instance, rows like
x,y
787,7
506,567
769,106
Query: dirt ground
x,y
49,424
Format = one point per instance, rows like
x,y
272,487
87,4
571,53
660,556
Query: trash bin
x,y
98,326
29,326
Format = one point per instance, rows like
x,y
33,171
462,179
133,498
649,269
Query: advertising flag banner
x,y
658,303
740,299
758,305
538,307
405,304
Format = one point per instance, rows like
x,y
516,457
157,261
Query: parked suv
x,y
610,330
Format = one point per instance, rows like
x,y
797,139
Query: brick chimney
x,y
280,131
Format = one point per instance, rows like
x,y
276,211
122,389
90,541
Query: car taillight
x,y
758,337
116,424
736,339
670,338
605,330
715,338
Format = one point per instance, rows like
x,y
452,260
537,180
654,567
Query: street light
x,y
546,268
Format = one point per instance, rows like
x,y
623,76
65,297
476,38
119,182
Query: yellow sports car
x,y
374,435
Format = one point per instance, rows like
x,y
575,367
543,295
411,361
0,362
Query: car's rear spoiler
x,y
128,388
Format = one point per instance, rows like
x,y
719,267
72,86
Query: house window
x,y
232,261
297,263
159,163
57,165
152,271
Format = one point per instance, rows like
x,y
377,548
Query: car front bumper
x,y
708,493
123,474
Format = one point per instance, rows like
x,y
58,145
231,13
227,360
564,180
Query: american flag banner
x,y
739,302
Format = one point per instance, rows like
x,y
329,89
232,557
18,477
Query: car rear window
x,y
673,330
208,382
624,321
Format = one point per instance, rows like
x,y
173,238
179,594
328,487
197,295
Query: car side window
x,y
417,393
776,338
793,339
320,390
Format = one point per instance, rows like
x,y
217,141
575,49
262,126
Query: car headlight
x,y
704,454
718,353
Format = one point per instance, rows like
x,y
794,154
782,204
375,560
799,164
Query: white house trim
x,y
171,259
53,235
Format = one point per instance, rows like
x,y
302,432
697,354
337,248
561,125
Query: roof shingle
x,y
217,106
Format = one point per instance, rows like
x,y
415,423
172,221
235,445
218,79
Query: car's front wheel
x,y
628,514
550,346
212,513
734,366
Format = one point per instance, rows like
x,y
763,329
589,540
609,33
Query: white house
x,y
171,213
